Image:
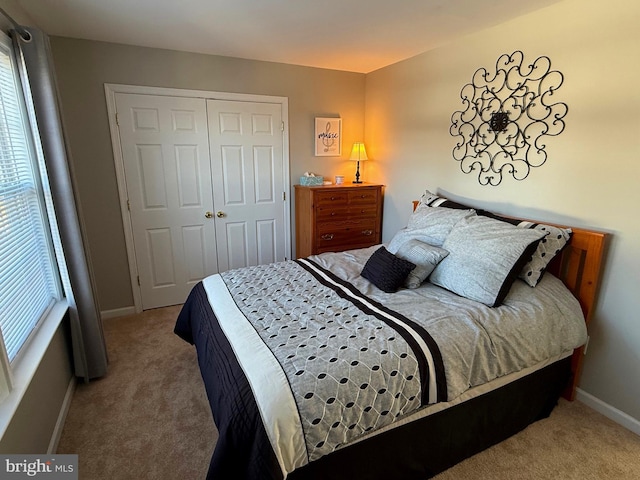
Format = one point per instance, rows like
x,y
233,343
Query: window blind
x,y
27,276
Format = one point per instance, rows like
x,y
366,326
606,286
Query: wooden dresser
x,y
334,218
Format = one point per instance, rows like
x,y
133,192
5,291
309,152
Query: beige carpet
x,y
149,419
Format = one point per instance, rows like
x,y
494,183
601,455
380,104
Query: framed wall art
x,y
328,137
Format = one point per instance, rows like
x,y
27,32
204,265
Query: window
x,y
29,281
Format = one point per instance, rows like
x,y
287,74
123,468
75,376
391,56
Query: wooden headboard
x,y
579,266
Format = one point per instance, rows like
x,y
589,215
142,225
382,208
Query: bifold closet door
x,y
205,186
246,147
165,148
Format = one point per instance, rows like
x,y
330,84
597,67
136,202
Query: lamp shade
x,y
358,152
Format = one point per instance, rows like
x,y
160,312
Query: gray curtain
x,y
89,349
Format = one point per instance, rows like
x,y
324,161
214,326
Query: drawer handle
x,y
327,236
367,232
333,214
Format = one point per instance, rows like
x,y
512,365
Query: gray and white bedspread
x,y
329,357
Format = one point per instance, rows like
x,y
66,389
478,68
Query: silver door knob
x,y
208,215
220,214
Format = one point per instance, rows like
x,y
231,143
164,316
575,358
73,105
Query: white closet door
x,y
246,146
165,148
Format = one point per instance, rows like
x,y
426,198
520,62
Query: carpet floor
x,y
149,418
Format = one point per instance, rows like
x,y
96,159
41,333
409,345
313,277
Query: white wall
x,y
592,174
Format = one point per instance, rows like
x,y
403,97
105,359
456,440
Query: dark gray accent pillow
x,y
426,257
386,271
485,257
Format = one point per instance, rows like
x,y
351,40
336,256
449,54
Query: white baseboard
x,y
608,411
118,312
62,417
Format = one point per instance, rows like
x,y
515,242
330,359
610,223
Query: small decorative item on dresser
x,y
311,179
358,153
337,217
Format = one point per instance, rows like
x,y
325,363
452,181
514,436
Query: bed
x,y
360,365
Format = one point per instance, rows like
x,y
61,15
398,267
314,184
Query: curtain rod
x,y
26,36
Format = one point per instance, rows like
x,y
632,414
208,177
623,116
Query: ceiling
x,y
352,35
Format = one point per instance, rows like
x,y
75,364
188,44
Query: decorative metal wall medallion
x,y
506,116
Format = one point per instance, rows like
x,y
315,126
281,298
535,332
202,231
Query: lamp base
x,y
357,180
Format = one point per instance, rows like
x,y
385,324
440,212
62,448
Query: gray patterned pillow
x,y
426,257
548,248
485,257
429,225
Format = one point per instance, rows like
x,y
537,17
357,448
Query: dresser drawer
x,y
366,196
336,197
330,212
363,211
346,233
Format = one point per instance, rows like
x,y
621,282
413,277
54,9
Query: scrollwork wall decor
x,y
507,114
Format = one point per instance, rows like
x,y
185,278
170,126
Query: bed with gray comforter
x,y
305,358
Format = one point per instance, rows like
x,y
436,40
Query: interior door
x,y
165,148
246,147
